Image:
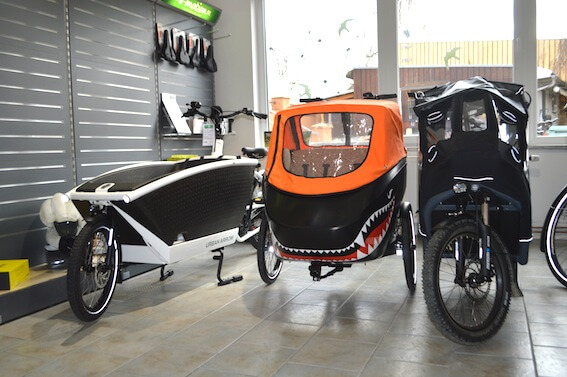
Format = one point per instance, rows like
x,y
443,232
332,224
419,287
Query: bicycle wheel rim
x,y
98,272
556,240
468,305
409,251
271,261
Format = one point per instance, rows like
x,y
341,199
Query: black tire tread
x,y
74,293
550,255
264,274
436,312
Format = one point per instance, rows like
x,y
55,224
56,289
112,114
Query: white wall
x,y
546,170
240,79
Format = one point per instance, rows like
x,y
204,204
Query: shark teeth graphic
x,y
366,241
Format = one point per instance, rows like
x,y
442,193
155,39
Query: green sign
x,y
197,9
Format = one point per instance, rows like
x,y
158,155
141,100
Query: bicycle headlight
x,y
459,188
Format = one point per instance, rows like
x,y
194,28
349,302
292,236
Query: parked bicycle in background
x,y
554,237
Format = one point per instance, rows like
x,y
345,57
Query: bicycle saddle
x,y
255,152
182,55
167,51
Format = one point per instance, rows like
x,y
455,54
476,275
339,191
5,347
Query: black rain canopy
x,y
475,130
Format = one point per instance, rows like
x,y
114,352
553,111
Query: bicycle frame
x,y
473,195
151,243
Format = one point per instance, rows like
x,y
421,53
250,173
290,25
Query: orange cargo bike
x,y
333,190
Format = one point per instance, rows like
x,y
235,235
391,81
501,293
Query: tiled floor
x,y
360,322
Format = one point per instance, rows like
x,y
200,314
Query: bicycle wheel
x,y
269,265
93,269
462,308
409,247
556,239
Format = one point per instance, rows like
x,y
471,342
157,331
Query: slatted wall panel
x,y
188,84
35,147
113,84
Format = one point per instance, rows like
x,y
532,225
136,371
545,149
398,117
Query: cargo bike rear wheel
x,y
408,239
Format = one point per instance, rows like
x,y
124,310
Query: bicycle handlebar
x,y
194,110
244,111
217,114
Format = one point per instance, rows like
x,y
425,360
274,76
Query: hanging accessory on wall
x,y
159,40
197,61
190,49
167,51
202,56
182,56
210,62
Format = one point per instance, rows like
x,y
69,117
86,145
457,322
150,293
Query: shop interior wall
x,y
241,82
80,95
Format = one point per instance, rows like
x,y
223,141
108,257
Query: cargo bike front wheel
x,y
462,305
93,269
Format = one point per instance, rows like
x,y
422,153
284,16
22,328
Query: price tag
x,y
208,134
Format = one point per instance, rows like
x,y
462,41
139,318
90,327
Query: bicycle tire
x,y
93,270
409,254
555,234
462,309
269,265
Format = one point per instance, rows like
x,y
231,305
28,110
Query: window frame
x,y
524,60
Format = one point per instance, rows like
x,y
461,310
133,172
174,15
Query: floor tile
x,y
250,359
80,363
167,361
417,349
548,334
302,370
204,336
380,310
303,314
280,334
392,368
57,344
15,365
359,322
466,365
551,361
335,353
360,330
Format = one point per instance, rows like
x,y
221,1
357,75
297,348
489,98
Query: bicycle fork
x,y
483,274
484,242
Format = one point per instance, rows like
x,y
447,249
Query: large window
x,y
326,48
551,68
326,144
313,48
443,40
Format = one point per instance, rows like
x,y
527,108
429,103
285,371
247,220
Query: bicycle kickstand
x,y
220,258
163,274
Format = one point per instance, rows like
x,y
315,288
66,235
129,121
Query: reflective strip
x,y
474,179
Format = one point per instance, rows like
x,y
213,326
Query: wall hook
x,y
223,37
